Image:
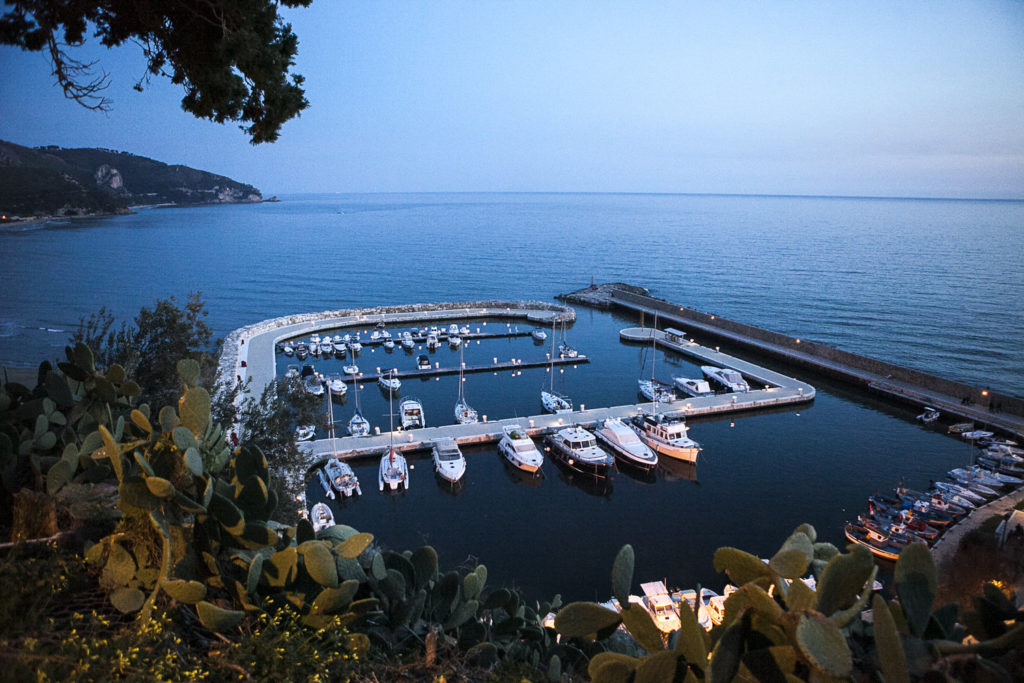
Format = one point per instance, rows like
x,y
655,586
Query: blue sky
x,y
907,98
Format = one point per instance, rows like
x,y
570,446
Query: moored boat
x,y
449,462
538,335
577,448
727,378
321,517
305,432
654,390
879,546
659,604
929,415
411,412
519,449
389,382
625,444
666,437
693,387
342,477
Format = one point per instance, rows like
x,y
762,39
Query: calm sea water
x,y
932,284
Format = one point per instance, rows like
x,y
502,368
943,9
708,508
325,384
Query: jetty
x,y
773,390
513,365
985,407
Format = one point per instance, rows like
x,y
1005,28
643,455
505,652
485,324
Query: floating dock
x,y
779,391
513,364
956,401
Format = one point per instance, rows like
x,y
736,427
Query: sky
x,y
817,97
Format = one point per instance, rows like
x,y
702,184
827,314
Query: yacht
x,y
339,351
453,330
342,477
726,377
302,351
625,445
454,341
693,387
432,341
314,347
653,390
407,342
326,346
448,460
578,449
666,437
389,382
321,517
411,411
351,369
659,605
337,386
519,449
313,386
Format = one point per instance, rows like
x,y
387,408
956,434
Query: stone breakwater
x,y
306,323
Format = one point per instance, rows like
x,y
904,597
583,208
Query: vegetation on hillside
x,y
56,181
167,561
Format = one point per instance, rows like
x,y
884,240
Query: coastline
x,y
19,221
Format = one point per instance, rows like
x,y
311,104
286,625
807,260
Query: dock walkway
x,y
496,366
888,381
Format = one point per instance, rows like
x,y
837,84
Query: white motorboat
x,y
423,361
464,413
411,411
952,490
654,390
700,608
453,330
667,437
314,348
321,517
659,605
454,341
355,347
389,345
449,462
292,371
375,336
539,335
313,386
337,386
624,444
693,387
288,349
352,369
464,330
929,415
725,377
432,341
346,338
339,351
976,434
519,449
393,474
305,432
389,382
981,476
342,477
577,448
964,478
407,342
326,346
384,334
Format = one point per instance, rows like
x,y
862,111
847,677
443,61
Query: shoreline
x,y
130,210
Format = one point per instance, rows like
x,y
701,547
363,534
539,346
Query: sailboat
x,y
339,474
464,413
394,470
358,425
565,350
553,401
651,389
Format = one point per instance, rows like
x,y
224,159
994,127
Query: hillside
x,y
52,181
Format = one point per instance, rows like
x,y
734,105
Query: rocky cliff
x,y
54,181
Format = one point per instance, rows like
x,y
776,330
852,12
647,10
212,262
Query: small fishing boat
x,y
879,545
625,445
666,437
449,462
700,609
727,378
539,335
577,448
693,387
952,489
519,449
981,476
929,415
305,432
351,369
960,427
411,411
653,390
389,382
321,517
423,361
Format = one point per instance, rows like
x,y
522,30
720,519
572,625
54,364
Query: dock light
x,y
800,390
716,350
797,341
573,367
437,365
732,424
376,430
559,420
410,437
984,392
582,407
798,414
520,372
378,369
495,360
531,424
561,371
712,317
485,418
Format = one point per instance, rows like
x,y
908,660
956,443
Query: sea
x,y
931,284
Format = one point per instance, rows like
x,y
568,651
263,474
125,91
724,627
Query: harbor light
x,y
984,392
531,424
582,407
485,418
495,360
716,349
797,341
376,430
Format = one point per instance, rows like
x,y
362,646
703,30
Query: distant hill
x,y
51,181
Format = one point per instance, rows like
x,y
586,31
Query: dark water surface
x,y
931,284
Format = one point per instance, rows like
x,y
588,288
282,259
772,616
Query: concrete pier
x,y
987,408
497,366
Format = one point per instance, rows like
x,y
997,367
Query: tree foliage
x,y
150,349
232,57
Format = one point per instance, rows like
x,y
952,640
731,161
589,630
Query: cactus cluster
x,y
776,627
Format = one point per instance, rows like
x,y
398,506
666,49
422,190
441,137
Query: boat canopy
x,y
675,335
